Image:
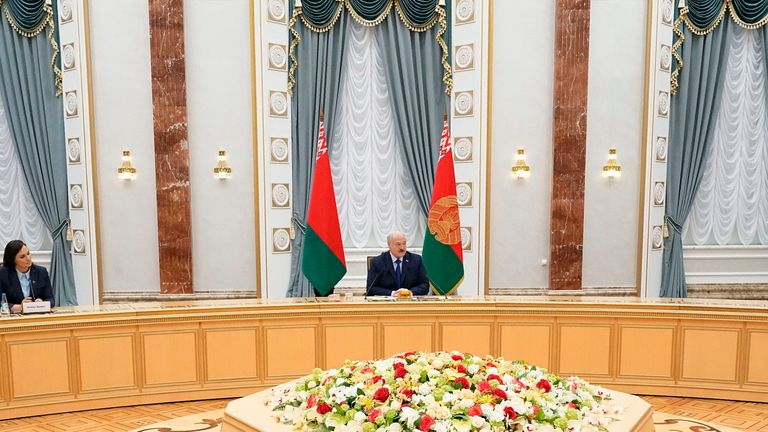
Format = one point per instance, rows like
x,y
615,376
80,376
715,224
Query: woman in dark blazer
x,y
17,265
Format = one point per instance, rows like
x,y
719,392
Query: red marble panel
x,y
169,100
569,143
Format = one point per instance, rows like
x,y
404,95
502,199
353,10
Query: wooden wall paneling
x,y
646,350
586,347
290,350
408,334
709,353
50,352
106,360
349,339
4,373
231,353
467,334
530,340
756,355
171,357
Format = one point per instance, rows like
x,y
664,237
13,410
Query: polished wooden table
x,y
129,354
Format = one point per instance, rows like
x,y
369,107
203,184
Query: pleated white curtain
x,y
373,192
731,205
19,218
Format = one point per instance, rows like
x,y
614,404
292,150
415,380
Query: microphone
x,y
368,288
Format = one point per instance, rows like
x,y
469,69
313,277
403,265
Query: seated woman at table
x,y
22,281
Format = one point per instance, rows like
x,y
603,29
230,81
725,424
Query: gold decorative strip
x,y
447,74
674,79
292,49
703,31
326,27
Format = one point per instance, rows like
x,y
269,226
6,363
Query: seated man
x,y
397,272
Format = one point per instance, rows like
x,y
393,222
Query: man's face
x,y
397,246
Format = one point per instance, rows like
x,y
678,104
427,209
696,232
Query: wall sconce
x,y
126,170
611,169
520,170
222,171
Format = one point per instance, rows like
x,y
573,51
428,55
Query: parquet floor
x,y
707,415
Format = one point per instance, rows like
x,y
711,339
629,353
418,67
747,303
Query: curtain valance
x,y
416,15
703,16
29,18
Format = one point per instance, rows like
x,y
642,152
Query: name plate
x,y
36,307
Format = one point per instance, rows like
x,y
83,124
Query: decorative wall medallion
x,y
658,194
466,238
65,14
663,107
464,194
68,56
667,12
72,104
75,196
661,149
462,149
276,11
278,150
463,105
281,240
281,195
78,242
278,104
73,151
464,57
657,238
465,11
278,59
665,58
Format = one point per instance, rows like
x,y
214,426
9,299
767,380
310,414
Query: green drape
x,y
320,13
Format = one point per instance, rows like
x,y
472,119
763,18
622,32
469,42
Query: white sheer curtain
x,y
731,206
373,193
18,216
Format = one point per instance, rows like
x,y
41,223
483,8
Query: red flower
x,y
323,408
373,415
408,393
461,369
426,423
572,405
400,372
510,413
457,357
544,385
484,387
494,377
499,393
327,380
382,394
366,370
536,409
398,365
376,379
312,401
462,382
409,353
475,410
490,364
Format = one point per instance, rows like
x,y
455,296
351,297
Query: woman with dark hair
x,y
20,280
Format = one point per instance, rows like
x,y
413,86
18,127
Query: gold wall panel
x,y
106,362
49,358
231,354
347,342
710,354
585,350
408,337
527,342
290,351
170,358
469,338
646,351
757,360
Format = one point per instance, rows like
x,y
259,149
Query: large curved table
x,y
129,354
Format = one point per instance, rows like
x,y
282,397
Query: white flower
x,y
438,364
410,415
477,421
492,371
394,427
473,368
394,405
312,384
465,403
360,417
449,398
425,389
433,373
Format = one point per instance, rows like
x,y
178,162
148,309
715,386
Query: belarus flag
x,y
323,260
442,253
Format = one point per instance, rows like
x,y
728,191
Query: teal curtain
x,y
704,13
36,119
692,122
320,13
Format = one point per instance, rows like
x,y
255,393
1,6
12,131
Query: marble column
x,y
169,100
569,127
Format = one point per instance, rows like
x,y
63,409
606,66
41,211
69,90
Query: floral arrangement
x,y
441,392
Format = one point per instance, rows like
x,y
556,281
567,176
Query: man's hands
x,y
402,293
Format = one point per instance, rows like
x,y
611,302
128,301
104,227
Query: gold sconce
x,y
611,169
126,170
520,170
222,171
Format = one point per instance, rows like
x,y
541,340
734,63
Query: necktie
x,y
398,273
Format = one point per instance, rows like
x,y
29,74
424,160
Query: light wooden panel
x,y
467,338
347,342
757,366
646,351
231,354
407,337
585,350
526,342
710,354
170,358
290,351
39,368
106,362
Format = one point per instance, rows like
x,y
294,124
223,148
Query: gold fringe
x,y
743,24
292,50
412,26
330,24
368,23
447,74
674,79
26,33
703,31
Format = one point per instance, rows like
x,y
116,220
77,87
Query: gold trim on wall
x,y
488,145
255,138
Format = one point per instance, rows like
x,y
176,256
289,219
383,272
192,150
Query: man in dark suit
x,y
397,272
20,280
